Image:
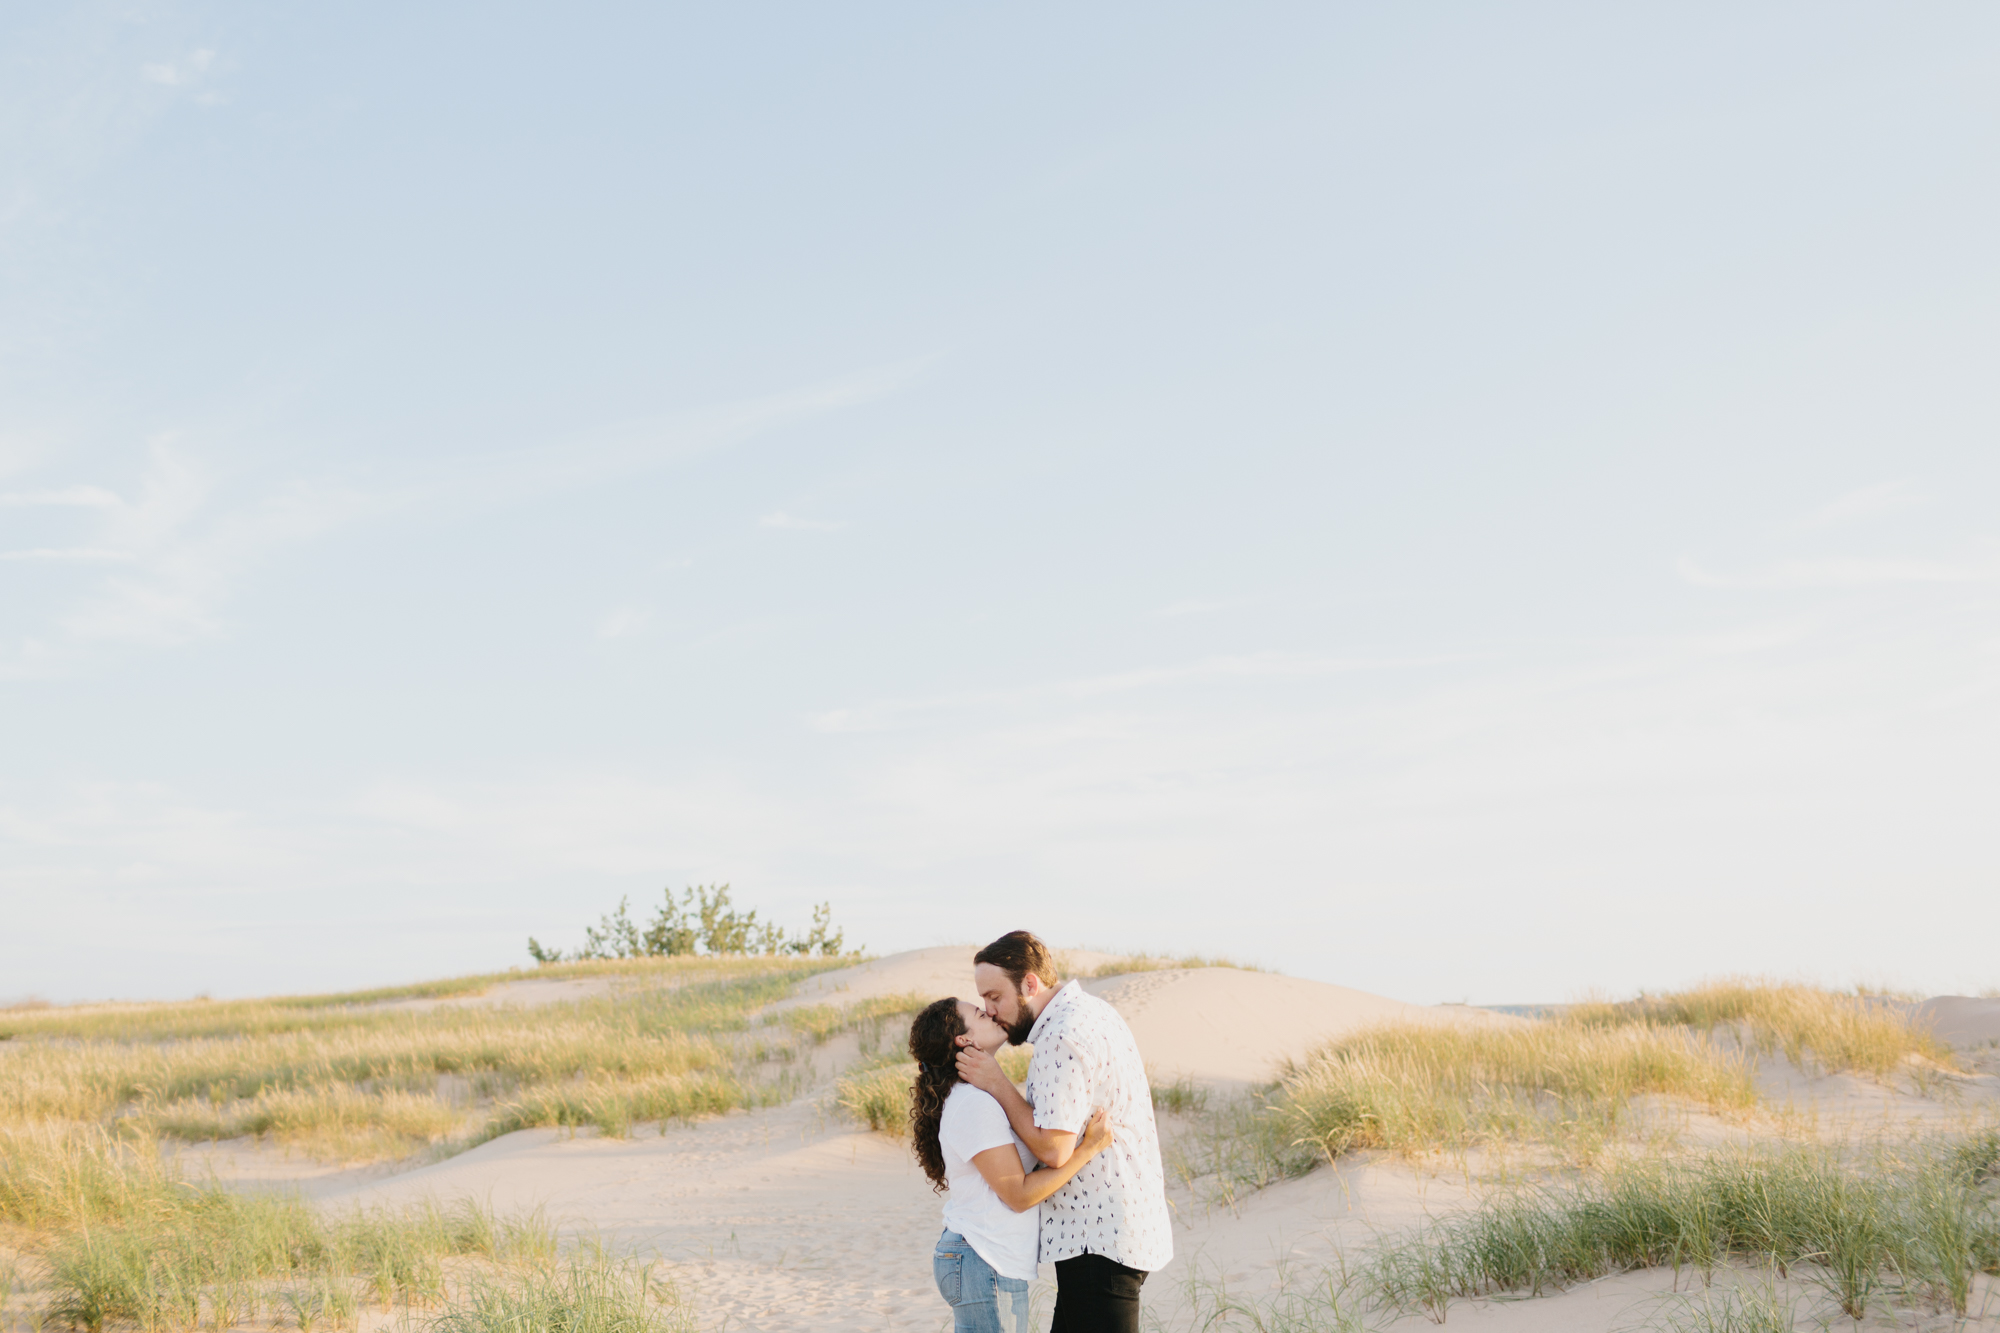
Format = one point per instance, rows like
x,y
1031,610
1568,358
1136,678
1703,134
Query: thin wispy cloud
x,y
1189,607
1855,573
174,552
1889,497
176,548
624,448
90,555
79,497
185,72
791,523
625,622
885,714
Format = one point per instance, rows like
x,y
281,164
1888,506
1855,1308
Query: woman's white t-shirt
x,y
973,1122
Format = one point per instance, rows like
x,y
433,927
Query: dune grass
x,y
351,1082
1911,1225
1224,1148
592,1291
1421,1087
819,1022
125,1239
879,1097
1813,1028
1121,964
877,1093
160,1021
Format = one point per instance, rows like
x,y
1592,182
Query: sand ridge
x,y
1233,1028
791,1218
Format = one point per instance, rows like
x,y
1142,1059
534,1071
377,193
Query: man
x,y
1108,1228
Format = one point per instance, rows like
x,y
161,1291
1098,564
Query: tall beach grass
x,y
1418,1087
679,1038
1811,1027
1911,1225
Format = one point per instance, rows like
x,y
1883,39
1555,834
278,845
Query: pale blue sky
x,y
1464,501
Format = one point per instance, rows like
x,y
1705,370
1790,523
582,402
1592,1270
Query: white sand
x,y
1962,1020
938,972
791,1219
1232,1028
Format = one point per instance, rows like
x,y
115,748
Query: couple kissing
x,y
1066,1173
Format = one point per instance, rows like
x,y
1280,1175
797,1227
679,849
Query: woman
x,y
992,1224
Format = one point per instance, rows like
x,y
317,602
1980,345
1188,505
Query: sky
x,y
1469,502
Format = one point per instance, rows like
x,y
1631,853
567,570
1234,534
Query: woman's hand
x,y
1096,1134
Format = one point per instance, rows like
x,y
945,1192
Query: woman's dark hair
x,y
934,1046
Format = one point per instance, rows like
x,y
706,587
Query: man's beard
x,y
1018,1030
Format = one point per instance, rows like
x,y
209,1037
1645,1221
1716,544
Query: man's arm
x,y
1052,1146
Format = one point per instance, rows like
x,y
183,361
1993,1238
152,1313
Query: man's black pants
x,y
1096,1295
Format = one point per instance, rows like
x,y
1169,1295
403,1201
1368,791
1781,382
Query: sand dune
x,y
937,972
1962,1020
1220,1025
1229,1027
793,1219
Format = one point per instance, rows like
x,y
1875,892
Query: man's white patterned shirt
x,y
1117,1205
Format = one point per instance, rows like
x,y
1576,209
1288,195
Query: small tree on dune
x,y
703,920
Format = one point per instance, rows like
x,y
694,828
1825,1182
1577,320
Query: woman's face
x,y
986,1034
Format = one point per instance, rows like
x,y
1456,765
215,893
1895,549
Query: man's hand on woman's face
x,y
979,1069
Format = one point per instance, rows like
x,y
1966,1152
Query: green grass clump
x,y
1225,1148
879,1098
1917,1226
1760,1308
1178,1096
615,1107
56,1177
818,1022
592,1291
1814,1028
126,1240
877,1094
1418,1087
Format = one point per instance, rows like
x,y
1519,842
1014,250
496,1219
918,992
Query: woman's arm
x,y
1001,1168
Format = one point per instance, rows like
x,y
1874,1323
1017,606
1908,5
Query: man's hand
x,y
981,1070
1096,1134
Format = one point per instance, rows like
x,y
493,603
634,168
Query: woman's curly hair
x,y
934,1037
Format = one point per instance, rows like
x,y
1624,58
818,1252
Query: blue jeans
x,y
981,1300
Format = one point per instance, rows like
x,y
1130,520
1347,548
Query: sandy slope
x,y
1962,1020
938,972
791,1219
1234,1028
1218,1024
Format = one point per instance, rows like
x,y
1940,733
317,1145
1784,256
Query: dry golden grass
x,y
1147,962
119,1239
878,1096
1419,1087
345,1080
1813,1028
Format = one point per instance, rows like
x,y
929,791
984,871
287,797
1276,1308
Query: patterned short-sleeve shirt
x,y
1117,1205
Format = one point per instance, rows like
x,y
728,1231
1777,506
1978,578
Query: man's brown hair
x,y
1018,953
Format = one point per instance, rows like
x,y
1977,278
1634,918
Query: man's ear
x,y
1031,985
